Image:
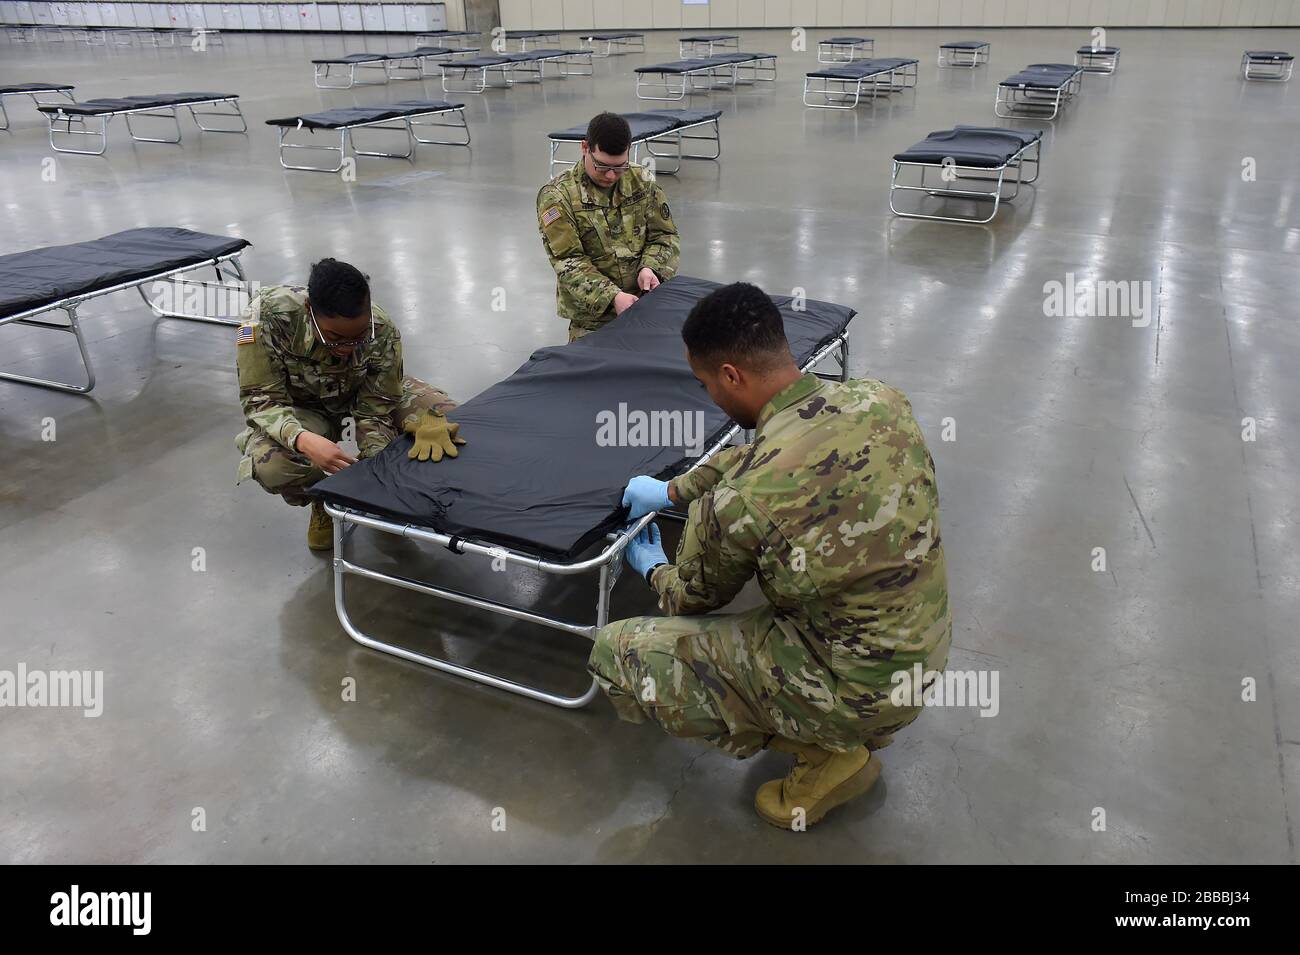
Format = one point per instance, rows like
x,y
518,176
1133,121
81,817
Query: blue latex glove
x,y
643,495
644,550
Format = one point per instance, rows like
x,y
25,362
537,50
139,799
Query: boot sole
x,y
856,785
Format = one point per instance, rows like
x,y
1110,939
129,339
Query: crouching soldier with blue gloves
x,y
310,358
835,509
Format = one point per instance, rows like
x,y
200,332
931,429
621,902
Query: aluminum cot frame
x,y
537,36
885,81
60,88
462,38
1027,155
607,563
688,46
567,63
55,114
405,124
616,44
844,49
966,54
725,73
1101,59
1024,100
676,136
1267,65
70,305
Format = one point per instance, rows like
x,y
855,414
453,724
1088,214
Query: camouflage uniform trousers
x,y
698,678
577,331
287,473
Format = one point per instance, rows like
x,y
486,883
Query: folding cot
x,y
392,66
535,486
539,37
403,117
1267,65
842,87
62,277
671,126
701,74
845,49
1097,59
32,90
964,53
1038,91
458,37
155,105
708,44
615,43
532,65
968,154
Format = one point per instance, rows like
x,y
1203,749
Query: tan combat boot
x,y
819,781
320,532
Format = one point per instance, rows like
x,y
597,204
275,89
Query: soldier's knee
x,y
278,471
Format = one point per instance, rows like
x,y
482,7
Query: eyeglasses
x,y
341,342
606,167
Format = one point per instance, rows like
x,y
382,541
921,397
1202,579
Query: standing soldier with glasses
x,y
308,359
607,230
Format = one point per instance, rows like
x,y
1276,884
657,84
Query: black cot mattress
x,y
96,107
644,125
355,115
980,147
538,473
43,277
34,88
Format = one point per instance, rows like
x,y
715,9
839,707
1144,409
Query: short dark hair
x,y
610,133
337,289
737,323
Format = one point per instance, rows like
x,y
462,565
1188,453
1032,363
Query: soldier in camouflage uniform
x,y
834,507
309,358
607,230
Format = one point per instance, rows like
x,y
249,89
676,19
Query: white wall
x,y
730,14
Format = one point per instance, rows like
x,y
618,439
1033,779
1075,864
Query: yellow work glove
x,y
434,437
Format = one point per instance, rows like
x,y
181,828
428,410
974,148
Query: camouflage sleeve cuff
x,y
289,432
656,575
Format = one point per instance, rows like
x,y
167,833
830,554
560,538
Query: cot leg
x,y
237,114
241,288
102,133
73,327
3,114
462,125
167,111
342,568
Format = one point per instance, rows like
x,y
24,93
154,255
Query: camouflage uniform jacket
x,y
835,507
284,366
599,239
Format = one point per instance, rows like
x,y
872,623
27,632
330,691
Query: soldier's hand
x,y
647,280
435,437
623,301
323,452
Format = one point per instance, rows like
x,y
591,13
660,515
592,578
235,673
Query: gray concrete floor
x,y
1119,690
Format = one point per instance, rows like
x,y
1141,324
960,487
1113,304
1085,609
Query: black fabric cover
x,y
861,69
611,36
547,54
1269,55
57,272
652,122
530,34
1039,79
95,107
35,87
979,146
709,38
1100,51
678,66
532,475
1068,68
422,51
964,45
743,57
352,58
352,115
474,62
847,39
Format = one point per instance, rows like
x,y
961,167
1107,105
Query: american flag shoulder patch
x,y
247,334
550,215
